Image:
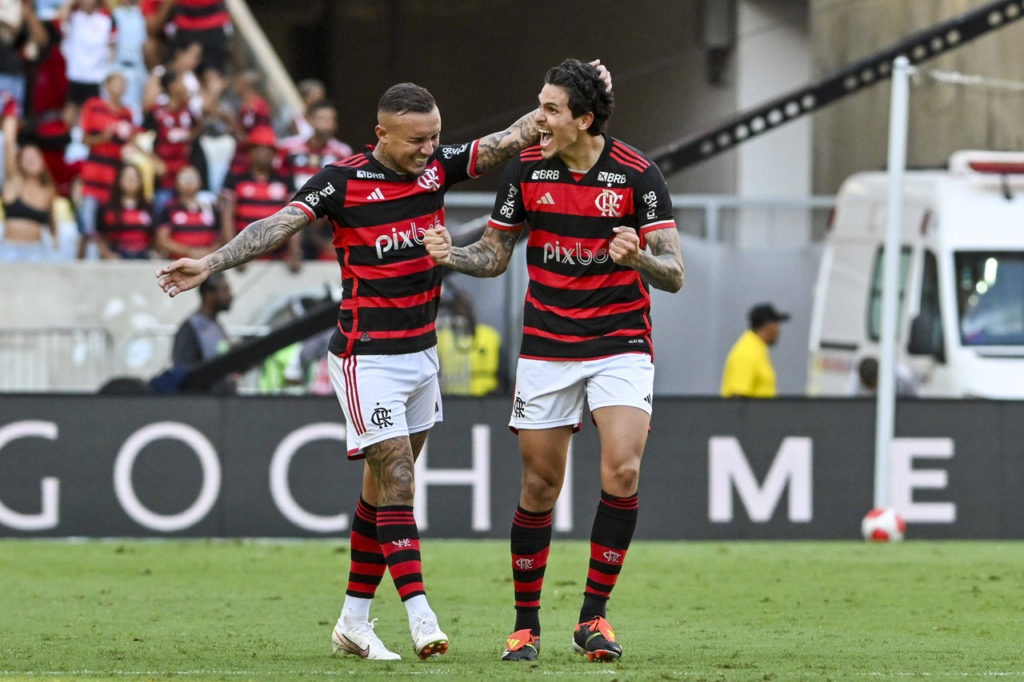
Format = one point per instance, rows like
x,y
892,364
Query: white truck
x,y
961,319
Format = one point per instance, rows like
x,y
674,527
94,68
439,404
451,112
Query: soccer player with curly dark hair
x,y
601,233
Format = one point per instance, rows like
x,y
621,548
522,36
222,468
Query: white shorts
x,y
385,396
550,393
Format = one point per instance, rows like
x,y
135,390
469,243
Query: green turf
x,y
199,610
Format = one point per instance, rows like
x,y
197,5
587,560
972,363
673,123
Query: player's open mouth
x,y
545,137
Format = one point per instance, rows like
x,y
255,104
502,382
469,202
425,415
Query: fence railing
x,y
55,358
83,359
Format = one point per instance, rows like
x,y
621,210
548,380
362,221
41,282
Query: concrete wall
x,y
851,135
693,330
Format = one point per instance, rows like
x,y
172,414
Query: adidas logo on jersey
x,y
546,199
375,195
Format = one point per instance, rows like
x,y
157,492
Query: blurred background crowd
x,y
135,129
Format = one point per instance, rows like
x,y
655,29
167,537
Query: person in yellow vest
x,y
748,368
469,351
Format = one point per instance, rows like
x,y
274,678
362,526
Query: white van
x,y
961,319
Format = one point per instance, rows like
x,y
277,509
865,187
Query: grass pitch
x,y
227,610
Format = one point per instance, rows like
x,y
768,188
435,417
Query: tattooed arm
x,y
496,148
501,146
258,238
662,268
487,257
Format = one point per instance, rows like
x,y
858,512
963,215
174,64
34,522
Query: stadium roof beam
x,y
918,47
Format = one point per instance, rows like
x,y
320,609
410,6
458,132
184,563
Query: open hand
x,y
182,275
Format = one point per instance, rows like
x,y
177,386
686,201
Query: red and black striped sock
x,y
400,545
609,540
531,540
368,565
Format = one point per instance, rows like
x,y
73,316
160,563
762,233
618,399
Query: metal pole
x,y
885,402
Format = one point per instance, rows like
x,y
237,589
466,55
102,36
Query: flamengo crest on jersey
x,y
580,304
390,285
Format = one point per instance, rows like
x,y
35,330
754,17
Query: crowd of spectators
x,y
133,130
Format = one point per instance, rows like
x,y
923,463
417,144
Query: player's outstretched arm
x,y
487,257
662,267
496,148
258,238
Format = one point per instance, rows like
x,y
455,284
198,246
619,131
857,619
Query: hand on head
x,y
604,73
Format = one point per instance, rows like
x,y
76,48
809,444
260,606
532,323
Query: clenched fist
x,y
438,242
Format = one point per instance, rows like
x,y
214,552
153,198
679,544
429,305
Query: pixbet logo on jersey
x,y
399,239
571,255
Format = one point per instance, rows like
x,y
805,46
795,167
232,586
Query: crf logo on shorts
x,y
519,407
381,417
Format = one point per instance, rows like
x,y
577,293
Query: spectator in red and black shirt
x,y
106,128
253,112
258,193
188,227
125,225
208,23
303,157
176,128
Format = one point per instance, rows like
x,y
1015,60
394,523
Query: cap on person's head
x,y
262,136
763,313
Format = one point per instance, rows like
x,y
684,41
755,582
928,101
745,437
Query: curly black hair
x,y
587,92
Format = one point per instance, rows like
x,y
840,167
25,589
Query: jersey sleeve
x,y
323,194
509,212
652,201
458,161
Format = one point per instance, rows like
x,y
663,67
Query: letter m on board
x,y
728,470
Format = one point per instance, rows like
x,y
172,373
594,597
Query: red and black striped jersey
x,y
173,142
256,199
390,285
580,304
200,15
128,230
100,170
195,226
302,160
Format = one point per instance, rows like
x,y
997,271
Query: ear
x,y
585,120
381,131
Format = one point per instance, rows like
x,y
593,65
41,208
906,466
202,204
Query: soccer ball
x,y
883,525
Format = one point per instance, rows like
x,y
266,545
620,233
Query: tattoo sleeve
x,y
258,238
501,146
662,268
486,258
